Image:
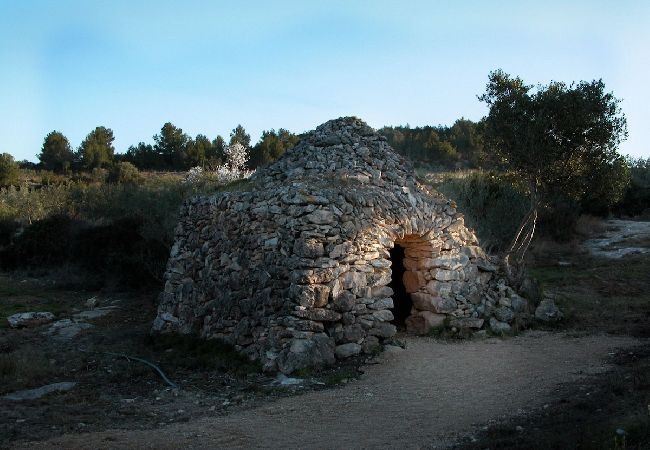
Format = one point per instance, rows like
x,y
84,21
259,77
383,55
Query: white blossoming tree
x,y
233,169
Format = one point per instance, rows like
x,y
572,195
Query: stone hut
x,y
325,254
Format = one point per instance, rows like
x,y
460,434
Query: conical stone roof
x,y
339,149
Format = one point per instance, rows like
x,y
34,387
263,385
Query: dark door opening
x,y
401,299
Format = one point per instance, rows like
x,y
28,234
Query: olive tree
x,y
558,139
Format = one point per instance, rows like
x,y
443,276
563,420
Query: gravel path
x,y
424,396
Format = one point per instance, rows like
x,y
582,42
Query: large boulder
x,y
423,322
316,352
499,327
547,311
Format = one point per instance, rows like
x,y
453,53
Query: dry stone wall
x,y
295,271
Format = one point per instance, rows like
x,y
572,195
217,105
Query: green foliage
x,y
239,135
217,152
49,178
636,200
559,139
56,153
558,218
171,145
560,142
121,250
143,156
45,243
607,186
271,146
123,231
466,137
492,205
197,150
124,173
421,144
441,146
9,170
174,150
27,165
97,149
27,205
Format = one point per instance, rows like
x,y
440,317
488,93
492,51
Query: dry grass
x,y
601,295
545,251
22,295
590,226
23,368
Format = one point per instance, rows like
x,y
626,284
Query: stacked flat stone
x,y
294,272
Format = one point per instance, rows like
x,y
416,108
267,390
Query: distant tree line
x,y
172,150
458,145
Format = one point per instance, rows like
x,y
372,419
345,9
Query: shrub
x,y
493,207
27,205
9,170
8,228
119,250
558,219
124,173
233,170
636,200
45,243
49,178
123,232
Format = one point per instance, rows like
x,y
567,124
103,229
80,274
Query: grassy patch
x,y
192,353
26,367
602,295
245,184
341,375
22,296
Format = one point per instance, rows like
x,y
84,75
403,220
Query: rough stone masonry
x,y
294,271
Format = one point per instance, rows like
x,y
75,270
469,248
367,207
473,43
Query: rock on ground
x,y
29,319
66,329
547,311
33,394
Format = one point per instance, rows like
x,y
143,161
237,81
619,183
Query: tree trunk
x,y
514,256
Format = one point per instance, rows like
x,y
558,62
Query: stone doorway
x,y
402,302
410,261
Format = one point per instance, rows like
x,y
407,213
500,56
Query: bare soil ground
x,y
424,396
547,388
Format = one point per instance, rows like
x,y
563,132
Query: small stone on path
x,y
33,394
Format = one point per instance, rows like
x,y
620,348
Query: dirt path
x,y
621,238
424,396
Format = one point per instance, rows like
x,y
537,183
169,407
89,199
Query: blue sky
x,y
207,66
